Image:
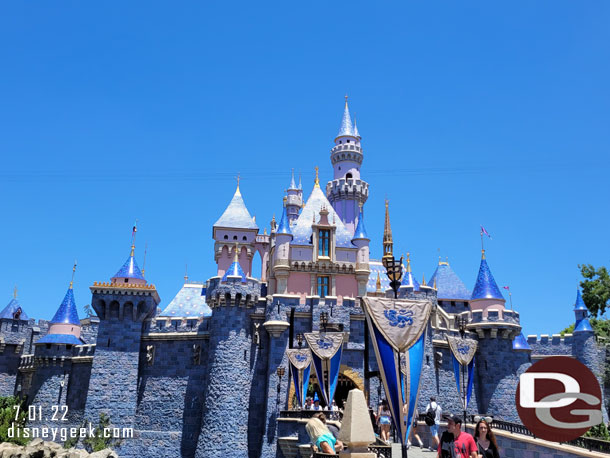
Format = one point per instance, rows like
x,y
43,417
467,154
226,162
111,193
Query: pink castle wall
x,y
299,283
346,285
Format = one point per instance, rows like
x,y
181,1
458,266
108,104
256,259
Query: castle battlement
x,y
176,324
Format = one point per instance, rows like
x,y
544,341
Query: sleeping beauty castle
x,y
210,373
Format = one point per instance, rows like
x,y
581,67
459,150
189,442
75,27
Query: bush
x,y
8,411
98,441
599,432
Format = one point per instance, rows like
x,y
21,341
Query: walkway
x,y
414,452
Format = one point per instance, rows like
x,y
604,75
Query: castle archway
x,y
348,380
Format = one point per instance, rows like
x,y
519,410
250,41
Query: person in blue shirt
x,y
321,437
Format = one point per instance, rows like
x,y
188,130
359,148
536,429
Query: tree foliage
x,y
601,327
7,419
98,441
595,288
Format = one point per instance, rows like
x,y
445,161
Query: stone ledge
x,y
176,336
82,359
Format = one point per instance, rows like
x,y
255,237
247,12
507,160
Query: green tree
x,y
89,311
98,441
595,288
601,327
9,417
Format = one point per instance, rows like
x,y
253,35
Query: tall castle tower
x,y
122,305
294,200
346,192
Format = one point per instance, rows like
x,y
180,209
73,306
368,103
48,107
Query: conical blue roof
x,y
67,312
583,326
360,232
346,124
409,281
236,215
10,310
486,287
579,304
284,227
448,284
520,343
235,270
292,183
130,269
356,133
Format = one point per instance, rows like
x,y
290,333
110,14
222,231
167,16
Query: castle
x,y
200,378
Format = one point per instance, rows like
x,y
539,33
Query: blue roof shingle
x,y
448,284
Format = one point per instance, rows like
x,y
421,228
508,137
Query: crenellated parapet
x,y
494,323
233,291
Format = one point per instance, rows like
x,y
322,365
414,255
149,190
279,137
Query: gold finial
x,y
423,280
186,273
15,292
346,100
434,285
265,231
73,272
378,283
285,199
236,257
482,254
408,262
317,181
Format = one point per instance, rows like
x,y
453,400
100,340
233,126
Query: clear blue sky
x,y
471,113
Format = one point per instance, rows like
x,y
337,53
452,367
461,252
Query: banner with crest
x,y
326,349
398,329
462,354
300,368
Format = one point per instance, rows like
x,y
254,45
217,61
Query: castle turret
x,y
347,191
581,314
235,225
362,241
486,295
294,200
13,310
281,252
122,305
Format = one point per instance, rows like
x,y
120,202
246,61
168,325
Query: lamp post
x,y
461,322
280,373
393,269
323,320
300,339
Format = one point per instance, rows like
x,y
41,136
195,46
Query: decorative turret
x,y
450,287
361,240
347,191
235,269
13,311
130,272
581,313
294,201
65,324
408,280
235,225
486,286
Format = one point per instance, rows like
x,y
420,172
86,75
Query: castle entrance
x,y
345,383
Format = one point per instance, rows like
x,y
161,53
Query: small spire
x,y
356,133
388,244
15,292
483,254
408,262
71,281
423,280
292,185
378,283
317,180
434,285
236,257
300,185
265,231
285,199
133,237
346,123
237,191
186,273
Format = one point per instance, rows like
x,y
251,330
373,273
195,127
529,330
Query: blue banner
x,y
412,370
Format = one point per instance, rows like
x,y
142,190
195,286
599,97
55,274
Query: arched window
x,y
234,237
226,237
244,238
348,176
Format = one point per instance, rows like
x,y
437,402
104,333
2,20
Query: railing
x,y
590,443
380,451
330,414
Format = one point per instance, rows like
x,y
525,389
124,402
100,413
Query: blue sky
x,y
471,113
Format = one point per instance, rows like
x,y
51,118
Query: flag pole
x,y
510,296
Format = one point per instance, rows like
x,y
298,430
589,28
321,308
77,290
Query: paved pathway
x,y
414,452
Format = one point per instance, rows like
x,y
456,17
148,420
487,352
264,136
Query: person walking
x,y
433,418
384,421
487,447
456,443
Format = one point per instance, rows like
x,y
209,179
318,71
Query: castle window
x,y
234,237
348,176
324,242
68,347
348,141
226,237
323,283
127,280
244,238
48,346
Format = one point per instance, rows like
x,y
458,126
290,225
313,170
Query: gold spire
x,y
237,191
423,281
408,262
133,237
15,292
73,271
316,183
265,231
236,257
186,273
443,263
388,244
378,283
285,199
482,254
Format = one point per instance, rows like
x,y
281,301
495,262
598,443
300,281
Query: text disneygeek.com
x,y
64,433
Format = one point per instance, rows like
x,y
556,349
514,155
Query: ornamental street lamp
x,y
393,269
324,320
461,322
300,339
280,373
